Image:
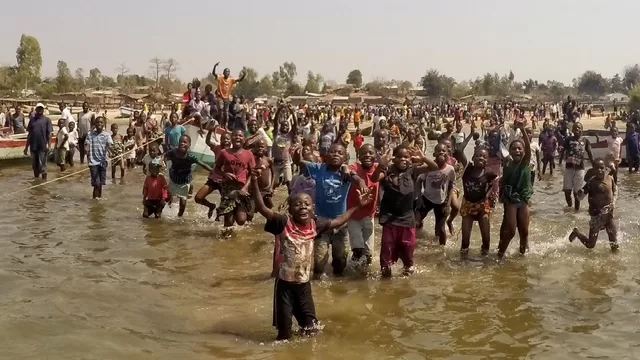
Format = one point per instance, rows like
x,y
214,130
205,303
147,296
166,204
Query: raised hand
x,y
364,197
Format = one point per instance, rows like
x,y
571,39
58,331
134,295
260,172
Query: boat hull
x,y
126,112
199,146
13,148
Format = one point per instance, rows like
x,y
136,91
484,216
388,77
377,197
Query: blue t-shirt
x,y
173,135
331,190
99,144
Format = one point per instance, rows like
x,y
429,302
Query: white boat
x,y
199,146
54,109
126,112
12,147
602,151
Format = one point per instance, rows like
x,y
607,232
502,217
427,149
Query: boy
x,y
97,147
283,139
154,192
62,145
602,192
73,143
296,233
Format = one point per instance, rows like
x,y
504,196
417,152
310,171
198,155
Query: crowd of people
x,y
333,201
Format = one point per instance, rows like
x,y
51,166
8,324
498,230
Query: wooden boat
x,y
12,147
601,150
199,147
126,112
54,109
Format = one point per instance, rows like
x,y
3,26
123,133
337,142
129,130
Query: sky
x,y
400,39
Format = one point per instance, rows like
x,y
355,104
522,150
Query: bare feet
x,y
573,235
450,226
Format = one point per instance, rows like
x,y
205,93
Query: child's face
x,y
225,140
301,208
336,155
447,144
114,129
237,139
99,124
60,123
174,119
184,143
307,153
130,132
154,151
402,159
516,150
480,157
284,127
367,155
600,168
261,148
441,154
72,126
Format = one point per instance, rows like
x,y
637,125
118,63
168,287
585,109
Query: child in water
x,y
181,171
214,180
234,166
267,176
97,146
296,232
117,151
62,145
602,191
130,148
154,192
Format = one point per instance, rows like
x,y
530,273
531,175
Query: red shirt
x,y
352,198
186,97
238,163
154,187
358,141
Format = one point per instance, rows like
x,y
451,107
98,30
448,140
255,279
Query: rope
x,y
81,170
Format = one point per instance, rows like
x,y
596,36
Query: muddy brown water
x,y
84,279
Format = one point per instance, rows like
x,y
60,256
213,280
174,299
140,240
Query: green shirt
x,y
516,183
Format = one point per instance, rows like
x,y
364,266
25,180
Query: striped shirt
x,y
99,144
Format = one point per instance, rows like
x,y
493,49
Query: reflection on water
x,y
92,279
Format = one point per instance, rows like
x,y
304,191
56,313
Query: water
x,y
83,279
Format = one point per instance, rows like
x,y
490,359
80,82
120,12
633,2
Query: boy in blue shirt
x,y
97,145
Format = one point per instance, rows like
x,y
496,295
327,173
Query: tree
x,y
170,66
29,59
288,73
108,81
155,66
354,78
95,78
293,89
432,84
265,87
616,85
8,79
556,89
634,98
314,83
64,79
631,76
122,71
592,83
511,76
80,80
249,86
529,86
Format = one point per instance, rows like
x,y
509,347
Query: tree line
x,y
161,77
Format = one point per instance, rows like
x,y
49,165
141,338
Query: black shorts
x,y
214,185
154,207
292,300
438,210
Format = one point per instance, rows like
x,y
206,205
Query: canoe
x,y
601,151
126,112
54,109
12,147
199,146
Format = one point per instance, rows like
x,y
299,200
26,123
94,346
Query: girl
x,y
234,166
117,152
181,171
477,182
515,193
130,148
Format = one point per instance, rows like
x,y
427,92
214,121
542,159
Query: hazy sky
x,y
401,39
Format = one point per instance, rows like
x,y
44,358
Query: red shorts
x,y
398,242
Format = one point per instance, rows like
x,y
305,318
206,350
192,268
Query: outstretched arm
x,y
242,76
214,70
257,198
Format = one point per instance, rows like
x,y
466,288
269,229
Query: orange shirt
x,y
225,86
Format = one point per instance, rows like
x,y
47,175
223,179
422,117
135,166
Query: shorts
x,y
361,235
61,156
601,222
478,209
547,158
213,184
154,207
439,210
573,179
98,175
231,201
179,190
337,240
293,300
398,242
282,168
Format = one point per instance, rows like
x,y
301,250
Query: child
x,y
267,174
358,140
535,157
332,187
154,192
548,146
361,224
153,156
476,206
574,149
296,233
117,151
214,181
283,141
436,188
181,171
62,145
515,194
234,166
602,192
73,143
397,215
97,146
130,148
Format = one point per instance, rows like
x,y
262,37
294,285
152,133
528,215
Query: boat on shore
x,y
199,146
126,112
12,147
601,150
54,109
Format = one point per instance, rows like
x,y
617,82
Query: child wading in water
x,y
602,191
397,215
267,174
97,146
214,180
515,193
154,192
234,166
296,233
181,171
117,152
62,145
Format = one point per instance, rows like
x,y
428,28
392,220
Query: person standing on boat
x,y
39,131
223,92
85,123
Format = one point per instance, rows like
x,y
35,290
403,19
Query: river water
x,y
84,279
